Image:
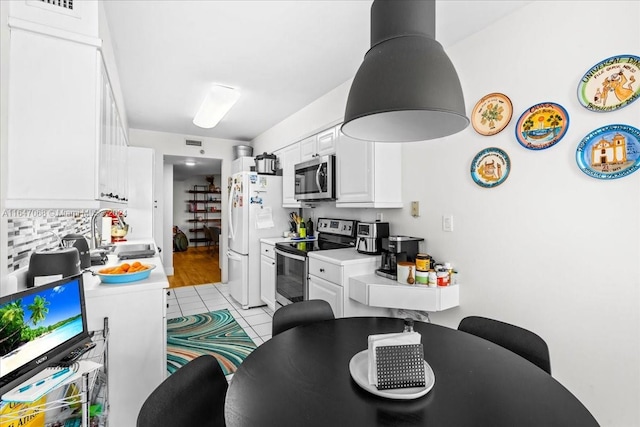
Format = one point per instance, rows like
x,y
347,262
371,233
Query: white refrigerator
x,y
255,212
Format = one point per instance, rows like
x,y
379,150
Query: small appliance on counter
x,y
48,265
369,237
266,164
397,249
78,241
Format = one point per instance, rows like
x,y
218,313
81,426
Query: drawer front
x,y
267,250
326,271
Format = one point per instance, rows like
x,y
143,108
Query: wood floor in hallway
x,y
195,266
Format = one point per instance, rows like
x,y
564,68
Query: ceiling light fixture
x,y
406,88
215,106
190,163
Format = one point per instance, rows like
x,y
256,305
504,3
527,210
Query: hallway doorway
x,y
195,207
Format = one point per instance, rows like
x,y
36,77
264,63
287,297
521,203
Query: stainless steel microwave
x,y
315,179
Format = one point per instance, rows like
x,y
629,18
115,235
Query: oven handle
x,y
290,255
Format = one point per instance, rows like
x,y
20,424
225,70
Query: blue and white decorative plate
x,y
611,84
490,167
610,152
542,126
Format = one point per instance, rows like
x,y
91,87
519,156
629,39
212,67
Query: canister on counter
x,y
422,277
433,279
404,271
423,262
443,278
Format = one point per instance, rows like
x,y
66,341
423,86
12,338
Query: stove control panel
x,y
341,227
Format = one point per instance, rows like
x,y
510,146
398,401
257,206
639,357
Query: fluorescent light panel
x,y
215,106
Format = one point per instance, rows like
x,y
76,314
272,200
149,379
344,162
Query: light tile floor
x,y
187,300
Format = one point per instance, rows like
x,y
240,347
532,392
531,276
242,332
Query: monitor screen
x,y
39,327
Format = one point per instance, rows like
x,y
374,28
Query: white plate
x,y
359,368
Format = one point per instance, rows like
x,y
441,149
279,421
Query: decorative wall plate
x,y
611,84
610,152
542,126
491,114
490,167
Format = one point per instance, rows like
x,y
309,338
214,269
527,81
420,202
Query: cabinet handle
x,y
322,270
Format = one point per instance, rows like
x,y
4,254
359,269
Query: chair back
x,y
193,395
514,338
301,313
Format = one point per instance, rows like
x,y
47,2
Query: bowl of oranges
x,y
125,272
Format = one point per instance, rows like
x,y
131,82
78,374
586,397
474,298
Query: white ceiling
x,y
281,55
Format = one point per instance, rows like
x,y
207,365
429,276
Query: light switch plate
x,y
415,209
447,222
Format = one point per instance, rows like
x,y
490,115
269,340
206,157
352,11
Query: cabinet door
x,y
289,157
268,281
329,292
355,163
52,122
308,148
326,141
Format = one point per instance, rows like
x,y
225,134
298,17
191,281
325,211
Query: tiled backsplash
x,y
27,233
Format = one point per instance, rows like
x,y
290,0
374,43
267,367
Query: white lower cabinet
x,y
137,361
268,275
329,281
330,292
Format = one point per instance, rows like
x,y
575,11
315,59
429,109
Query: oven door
x,y
291,278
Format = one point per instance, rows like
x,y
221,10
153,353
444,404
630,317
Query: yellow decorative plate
x,y
492,114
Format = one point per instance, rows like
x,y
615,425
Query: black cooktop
x,y
304,246
332,234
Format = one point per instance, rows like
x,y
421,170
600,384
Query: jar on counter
x,y
423,262
433,279
422,277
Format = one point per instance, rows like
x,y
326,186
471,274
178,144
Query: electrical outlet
x,y
447,222
379,216
415,209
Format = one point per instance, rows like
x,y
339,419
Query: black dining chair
x,y
300,313
193,395
514,338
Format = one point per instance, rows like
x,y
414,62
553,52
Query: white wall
x,y
174,145
525,249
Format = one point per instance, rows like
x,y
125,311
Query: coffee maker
x,y
369,237
397,249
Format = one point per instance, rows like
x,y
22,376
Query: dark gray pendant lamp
x,y
406,88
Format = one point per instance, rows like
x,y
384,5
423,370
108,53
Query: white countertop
x,y
343,256
157,279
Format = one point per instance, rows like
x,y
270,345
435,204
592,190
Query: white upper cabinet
x,y
66,141
319,144
369,174
288,157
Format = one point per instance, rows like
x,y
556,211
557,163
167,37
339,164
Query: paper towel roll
x,y
105,235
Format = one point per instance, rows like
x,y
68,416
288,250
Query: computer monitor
x,y
39,327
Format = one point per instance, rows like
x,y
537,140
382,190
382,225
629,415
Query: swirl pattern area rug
x,y
216,333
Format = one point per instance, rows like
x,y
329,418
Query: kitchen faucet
x,y
95,237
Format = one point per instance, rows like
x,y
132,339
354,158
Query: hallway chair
x,y
301,313
193,395
514,338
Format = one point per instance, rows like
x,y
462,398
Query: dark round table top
x,y
301,378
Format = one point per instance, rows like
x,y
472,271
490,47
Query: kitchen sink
x,y
134,250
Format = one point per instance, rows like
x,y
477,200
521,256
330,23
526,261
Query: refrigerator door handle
x,y
233,256
232,233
